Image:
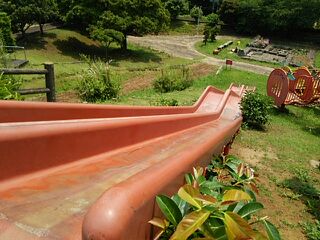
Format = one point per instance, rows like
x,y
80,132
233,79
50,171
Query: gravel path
x,y
183,46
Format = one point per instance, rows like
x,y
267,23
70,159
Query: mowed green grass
x,y
65,47
317,59
226,53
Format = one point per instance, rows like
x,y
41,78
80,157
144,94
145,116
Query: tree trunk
x,y
41,28
124,44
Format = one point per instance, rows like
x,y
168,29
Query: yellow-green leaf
x,y
206,200
237,227
188,194
235,195
189,224
158,222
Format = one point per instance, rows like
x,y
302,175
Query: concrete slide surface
x,y
85,171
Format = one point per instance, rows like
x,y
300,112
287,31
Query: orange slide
x,y
81,171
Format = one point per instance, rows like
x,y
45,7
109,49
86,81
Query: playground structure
x,y
82,171
299,87
10,59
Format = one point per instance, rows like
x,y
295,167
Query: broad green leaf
x,y
201,179
250,208
235,207
189,224
212,184
237,227
182,205
272,231
169,209
235,195
158,222
252,195
188,193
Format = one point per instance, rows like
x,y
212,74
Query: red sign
x,y
228,62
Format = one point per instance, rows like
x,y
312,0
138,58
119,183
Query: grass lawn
x,y
185,28
317,60
226,52
64,47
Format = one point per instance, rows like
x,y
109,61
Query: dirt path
x,y
183,46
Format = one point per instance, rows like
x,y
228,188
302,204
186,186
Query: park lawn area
x,y
289,186
226,53
64,48
317,60
178,27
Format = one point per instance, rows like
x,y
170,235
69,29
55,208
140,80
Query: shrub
x,y
173,80
8,87
215,203
96,84
167,102
255,110
196,13
5,30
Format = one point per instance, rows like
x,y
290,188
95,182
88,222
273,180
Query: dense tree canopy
x,y
273,16
123,16
24,13
176,7
5,30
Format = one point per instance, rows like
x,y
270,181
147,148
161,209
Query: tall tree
x,y
43,11
136,17
176,7
24,13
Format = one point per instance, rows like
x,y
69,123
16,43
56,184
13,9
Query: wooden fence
x,y
48,71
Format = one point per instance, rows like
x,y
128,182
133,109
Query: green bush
x,y
255,110
96,84
173,80
217,202
167,102
5,30
8,87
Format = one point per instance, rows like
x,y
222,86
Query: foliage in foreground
x,y
216,203
255,109
173,80
96,84
8,87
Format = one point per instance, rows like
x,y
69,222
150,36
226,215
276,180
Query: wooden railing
x,y
48,71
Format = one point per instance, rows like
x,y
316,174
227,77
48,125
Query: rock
x,y
315,163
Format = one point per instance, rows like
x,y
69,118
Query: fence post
x,y
50,82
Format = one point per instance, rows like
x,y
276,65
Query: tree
x,y
43,10
212,27
106,36
5,30
24,13
228,11
196,13
136,17
176,7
